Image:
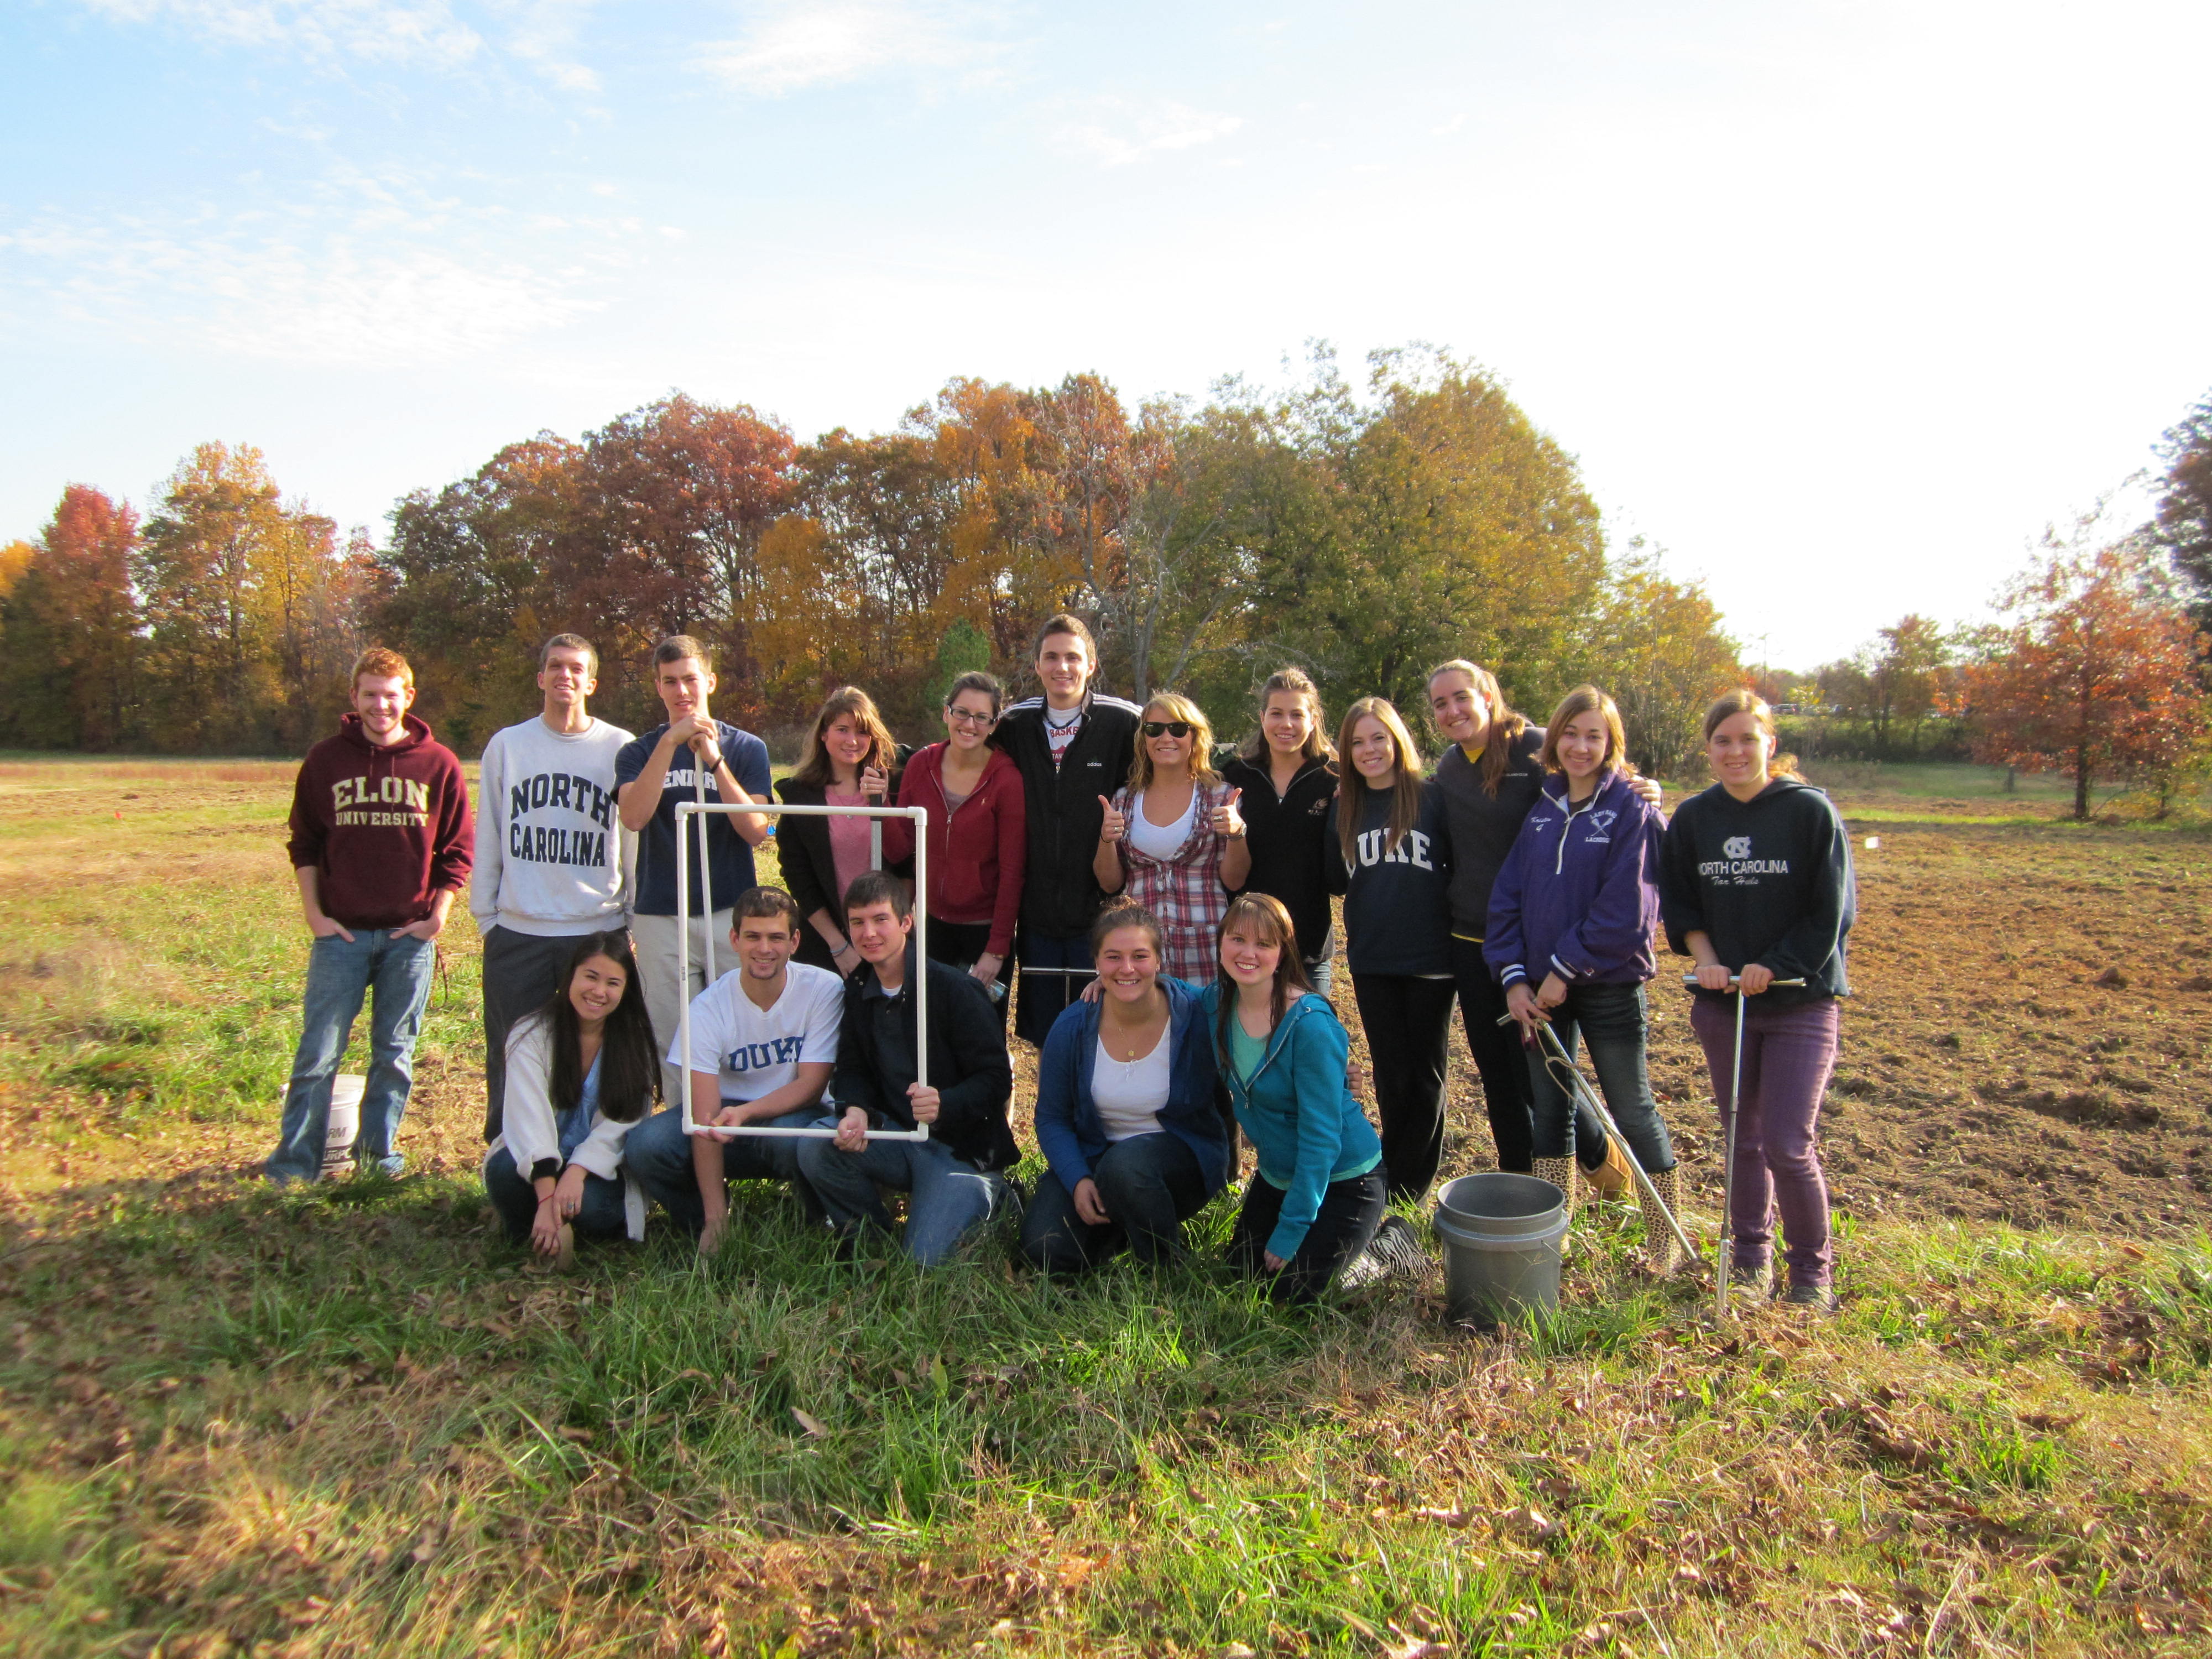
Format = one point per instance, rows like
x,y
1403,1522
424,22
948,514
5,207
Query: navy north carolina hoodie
x,y
1768,880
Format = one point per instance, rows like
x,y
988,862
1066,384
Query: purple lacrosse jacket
x,y
1579,895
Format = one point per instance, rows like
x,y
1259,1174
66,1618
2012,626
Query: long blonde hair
x,y
1300,685
1175,707
814,765
1350,796
1506,725
1745,700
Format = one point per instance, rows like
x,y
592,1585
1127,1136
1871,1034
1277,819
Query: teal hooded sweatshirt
x,y
1297,1109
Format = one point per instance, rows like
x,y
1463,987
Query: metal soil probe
x,y
1728,1154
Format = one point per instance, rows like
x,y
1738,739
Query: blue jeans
x,y
514,1196
945,1196
1150,1185
1610,1017
659,1154
340,973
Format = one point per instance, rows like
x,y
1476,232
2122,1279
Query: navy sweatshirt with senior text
x,y
1768,880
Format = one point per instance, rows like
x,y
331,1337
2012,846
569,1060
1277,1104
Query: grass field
x,y
351,1420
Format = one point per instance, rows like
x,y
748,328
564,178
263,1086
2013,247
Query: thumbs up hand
x,y
1227,821
1112,825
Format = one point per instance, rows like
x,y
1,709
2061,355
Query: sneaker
x,y
1819,1298
1397,1249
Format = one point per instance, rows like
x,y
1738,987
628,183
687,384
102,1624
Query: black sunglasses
x,y
1167,728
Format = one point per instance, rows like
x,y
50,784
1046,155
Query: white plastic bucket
x,y
346,1091
1501,1235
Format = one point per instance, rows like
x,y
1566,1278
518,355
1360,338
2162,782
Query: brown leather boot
x,y
1613,1178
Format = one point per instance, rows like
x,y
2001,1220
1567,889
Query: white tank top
x,y
1160,842
1129,1093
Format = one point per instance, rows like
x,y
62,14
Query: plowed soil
x,y
2030,1040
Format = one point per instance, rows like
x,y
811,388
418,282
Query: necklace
x,y
1137,1045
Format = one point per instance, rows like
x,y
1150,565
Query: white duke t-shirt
x,y
754,1050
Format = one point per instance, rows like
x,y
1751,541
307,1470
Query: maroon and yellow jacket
x,y
385,827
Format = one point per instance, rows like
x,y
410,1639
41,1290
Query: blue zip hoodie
x,y
1579,895
1297,1107
1068,1129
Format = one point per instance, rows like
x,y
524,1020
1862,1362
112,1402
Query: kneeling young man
x,y
763,1039
952,1178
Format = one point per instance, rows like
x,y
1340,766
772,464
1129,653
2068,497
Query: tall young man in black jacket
x,y
953,1178
1075,747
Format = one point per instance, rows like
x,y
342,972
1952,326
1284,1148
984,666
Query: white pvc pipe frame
x,y
699,809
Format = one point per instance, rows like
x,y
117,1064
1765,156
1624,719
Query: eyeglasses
x,y
967,716
1167,728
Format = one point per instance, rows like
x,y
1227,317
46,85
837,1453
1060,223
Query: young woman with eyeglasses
x,y
1287,772
1172,838
978,835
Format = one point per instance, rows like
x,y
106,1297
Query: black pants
x,y
1408,1025
1047,991
520,972
962,943
1503,1064
1149,1184
1351,1210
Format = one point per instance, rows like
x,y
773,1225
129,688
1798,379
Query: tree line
x,y
1364,531
2098,665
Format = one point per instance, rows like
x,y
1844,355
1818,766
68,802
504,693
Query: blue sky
x,y
1838,302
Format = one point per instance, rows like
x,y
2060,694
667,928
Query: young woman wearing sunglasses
x,y
1172,839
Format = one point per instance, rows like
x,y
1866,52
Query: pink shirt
x,y
848,841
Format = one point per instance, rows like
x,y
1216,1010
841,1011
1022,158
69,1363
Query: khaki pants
x,y
655,938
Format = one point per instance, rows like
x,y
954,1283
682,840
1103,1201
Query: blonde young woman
x,y
1287,772
1173,839
848,760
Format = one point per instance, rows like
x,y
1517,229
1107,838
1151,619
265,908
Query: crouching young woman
x,y
1318,1193
1128,1115
581,1071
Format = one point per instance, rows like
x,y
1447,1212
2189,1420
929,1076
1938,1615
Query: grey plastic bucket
x,y
1501,1235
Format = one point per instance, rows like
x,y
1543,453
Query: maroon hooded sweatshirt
x,y
384,826
977,855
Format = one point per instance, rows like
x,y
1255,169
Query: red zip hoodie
x,y
384,826
977,856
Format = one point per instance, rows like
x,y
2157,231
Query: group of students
x,y
1165,913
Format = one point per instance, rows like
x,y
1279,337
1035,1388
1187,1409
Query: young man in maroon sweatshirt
x,y
381,842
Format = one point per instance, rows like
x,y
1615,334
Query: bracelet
x,y
841,948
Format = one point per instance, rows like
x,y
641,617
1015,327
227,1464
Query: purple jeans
x,y
1788,1053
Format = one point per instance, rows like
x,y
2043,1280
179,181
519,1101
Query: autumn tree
x,y
2184,503
2094,673
69,630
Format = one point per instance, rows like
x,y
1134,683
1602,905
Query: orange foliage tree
x,y
2094,674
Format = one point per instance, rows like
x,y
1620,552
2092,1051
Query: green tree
x,y
1658,646
2184,503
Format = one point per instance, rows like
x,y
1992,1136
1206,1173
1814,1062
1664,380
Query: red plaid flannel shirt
x,y
1185,892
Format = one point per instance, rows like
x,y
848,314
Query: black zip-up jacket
x,y
1484,826
1394,896
808,867
968,1066
1060,895
1768,880
1292,839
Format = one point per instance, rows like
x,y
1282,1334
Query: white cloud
x,y
789,45
377,273
1115,132
382,30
